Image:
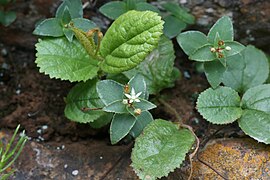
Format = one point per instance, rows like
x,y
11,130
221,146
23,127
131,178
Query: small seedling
x,y
213,50
70,11
176,17
115,9
6,17
242,69
9,154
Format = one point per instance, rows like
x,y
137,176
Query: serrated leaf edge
x,y
227,122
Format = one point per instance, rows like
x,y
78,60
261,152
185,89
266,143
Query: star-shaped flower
x,y
133,97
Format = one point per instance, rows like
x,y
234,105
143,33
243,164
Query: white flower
x,y
133,97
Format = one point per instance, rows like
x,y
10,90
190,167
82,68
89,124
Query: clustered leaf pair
x,y
242,70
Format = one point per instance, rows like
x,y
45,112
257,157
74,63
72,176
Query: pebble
x,y
39,131
75,172
44,127
65,166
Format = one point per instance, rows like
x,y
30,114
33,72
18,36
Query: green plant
x,y
6,17
114,72
242,69
9,154
176,18
69,12
115,9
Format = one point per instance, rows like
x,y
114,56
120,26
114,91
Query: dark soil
x,y
36,102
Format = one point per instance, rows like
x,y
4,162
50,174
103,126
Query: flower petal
x,y
137,95
128,96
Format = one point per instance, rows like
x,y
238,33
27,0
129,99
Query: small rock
x,y
235,159
187,75
39,131
75,172
44,127
4,52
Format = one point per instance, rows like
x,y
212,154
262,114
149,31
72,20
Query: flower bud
x,y
138,111
213,50
125,101
228,48
127,89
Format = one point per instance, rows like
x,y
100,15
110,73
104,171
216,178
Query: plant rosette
x,y
213,49
129,105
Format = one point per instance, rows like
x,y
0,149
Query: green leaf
x,y
173,26
7,17
179,12
190,41
49,27
255,121
120,78
120,126
86,41
141,122
113,10
246,70
110,91
203,54
83,24
257,98
224,28
66,17
116,107
160,149
74,6
236,48
138,83
214,71
134,35
83,95
158,67
219,106
102,121
65,60
130,4
69,34
144,105
143,6
256,124
268,80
